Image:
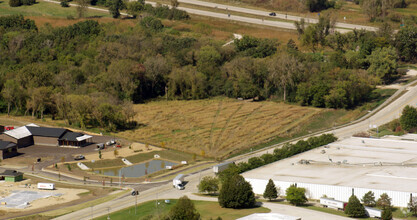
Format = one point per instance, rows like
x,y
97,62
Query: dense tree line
x,y
89,74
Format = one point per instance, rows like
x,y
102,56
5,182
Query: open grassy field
x,y
45,9
206,209
217,127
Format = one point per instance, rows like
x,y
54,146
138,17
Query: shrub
x,y
295,195
15,3
152,24
408,119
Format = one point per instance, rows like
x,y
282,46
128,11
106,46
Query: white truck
x,y
177,182
331,203
373,212
220,167
49,186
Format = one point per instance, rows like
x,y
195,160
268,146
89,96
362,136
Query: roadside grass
x,y
206,209
46,9
66,210
172,155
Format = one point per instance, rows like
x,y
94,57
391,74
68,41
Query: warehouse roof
x,y
19,133
268,216
46,132
6,144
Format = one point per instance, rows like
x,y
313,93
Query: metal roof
x,y
6,144
32,125
47,132
70,136
268,216
11,173
18,133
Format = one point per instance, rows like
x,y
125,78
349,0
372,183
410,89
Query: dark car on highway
x,y
272,14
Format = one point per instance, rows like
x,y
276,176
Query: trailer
x,y
373,212
220,167
48,186
331,203
177,182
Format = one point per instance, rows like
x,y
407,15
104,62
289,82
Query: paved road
x,y
340,27
168,192
266,13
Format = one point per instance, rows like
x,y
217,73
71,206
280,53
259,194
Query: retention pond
x,y
137,170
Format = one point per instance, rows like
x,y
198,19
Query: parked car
x,y
79,157
272,14
119,146
101,146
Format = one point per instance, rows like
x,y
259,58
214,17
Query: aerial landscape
x,y
208,109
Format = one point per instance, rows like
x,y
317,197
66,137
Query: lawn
x,y
206,209
45,9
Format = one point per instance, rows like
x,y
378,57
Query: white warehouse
x,y
358,165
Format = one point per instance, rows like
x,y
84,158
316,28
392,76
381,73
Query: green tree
x,y
315,34
383,63
270,191
354,208
231,170
99,154
408,119
284,72
184,209
82,7
208,184
9,92
15,3
369,199
152,24
412,205
384,201
115,6
386,213
405,43
236,193
295,195
135,7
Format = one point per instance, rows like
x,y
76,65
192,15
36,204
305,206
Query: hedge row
x,y
286,151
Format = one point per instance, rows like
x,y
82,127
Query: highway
x,y
266,14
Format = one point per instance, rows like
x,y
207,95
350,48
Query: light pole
x,y
108,213
91,212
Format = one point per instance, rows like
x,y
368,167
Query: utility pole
x,y
136,201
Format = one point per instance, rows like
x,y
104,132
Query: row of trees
x,y
286,151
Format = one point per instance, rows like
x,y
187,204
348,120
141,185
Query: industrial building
x,y
358,165
32,134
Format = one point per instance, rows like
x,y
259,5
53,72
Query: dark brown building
x,y
46,136
7,149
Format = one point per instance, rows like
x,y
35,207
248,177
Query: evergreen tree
x,y
369,199
384,201
354,208
295,195
236,193
386,214
270,191
184,209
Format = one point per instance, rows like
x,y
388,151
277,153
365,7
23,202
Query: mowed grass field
x,y
207,210
45,9
217,127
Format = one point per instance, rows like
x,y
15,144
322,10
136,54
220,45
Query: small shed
x,y
21,136
12,176
7,149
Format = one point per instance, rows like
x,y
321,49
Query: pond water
x,y
137,170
